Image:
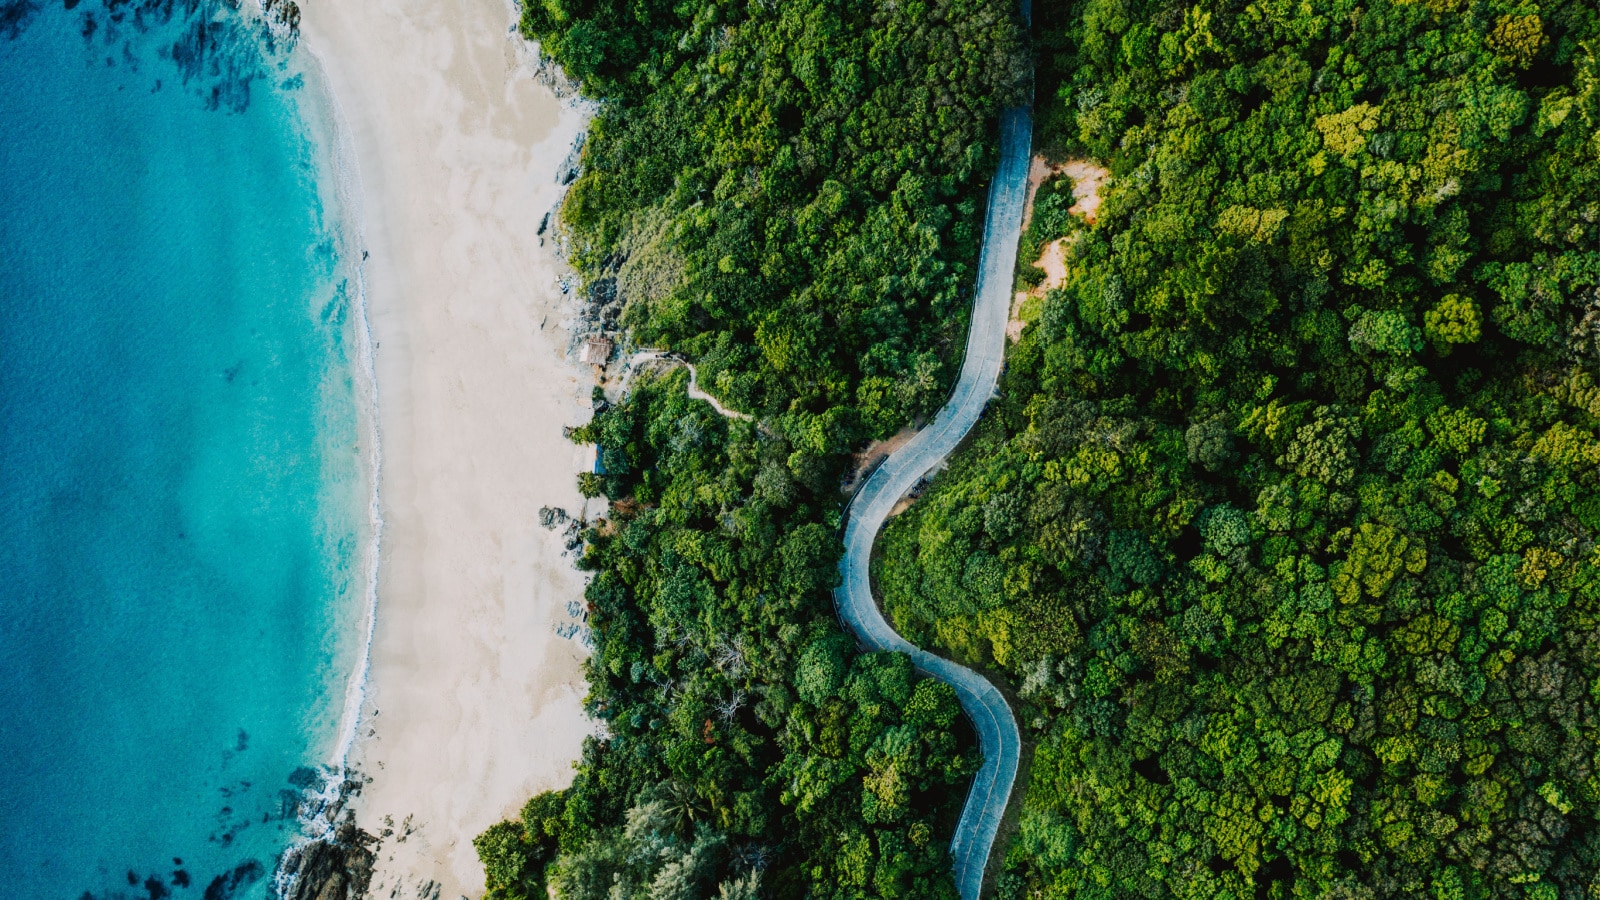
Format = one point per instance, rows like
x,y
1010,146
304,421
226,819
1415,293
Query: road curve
x,y
980,374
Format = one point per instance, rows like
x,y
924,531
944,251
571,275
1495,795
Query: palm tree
x,y
683,805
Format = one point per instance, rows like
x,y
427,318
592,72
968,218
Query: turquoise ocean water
x,y
185,474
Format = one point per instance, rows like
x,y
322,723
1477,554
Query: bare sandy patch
x,y
1014,324
1087,180
1053,260
1039,169
1054,263
875,453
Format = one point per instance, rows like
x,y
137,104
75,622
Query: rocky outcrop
x,y
557,519
337,867
572,166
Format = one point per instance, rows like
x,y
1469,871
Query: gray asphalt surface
x,y
980,374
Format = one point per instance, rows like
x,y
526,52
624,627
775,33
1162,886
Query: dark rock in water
x,y
304,777
177,860
334,868
180,878
156,888
285,15
133,878
224,887
14,17
288,804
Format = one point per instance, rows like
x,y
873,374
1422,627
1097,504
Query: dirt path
x,y
648,357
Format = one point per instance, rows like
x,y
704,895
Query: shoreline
x,y
331,139
466,700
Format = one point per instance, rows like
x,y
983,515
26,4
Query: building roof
x,y
596,350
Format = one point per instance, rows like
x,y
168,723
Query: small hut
x,y
596,351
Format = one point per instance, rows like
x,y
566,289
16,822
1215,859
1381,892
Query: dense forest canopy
x,y
786,190
1285,525
789,192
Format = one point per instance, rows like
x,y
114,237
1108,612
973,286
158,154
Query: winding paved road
x,y
980,373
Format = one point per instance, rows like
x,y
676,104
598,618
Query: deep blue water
x,y
183,491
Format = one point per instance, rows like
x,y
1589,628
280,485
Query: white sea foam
x,y
339,183
349,234
347,183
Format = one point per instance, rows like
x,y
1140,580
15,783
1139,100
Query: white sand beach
x,y
473,700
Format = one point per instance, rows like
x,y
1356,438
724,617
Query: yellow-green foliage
x,y
1453,320
1299,470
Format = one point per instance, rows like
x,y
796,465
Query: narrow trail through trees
x,y
980,374
646,357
